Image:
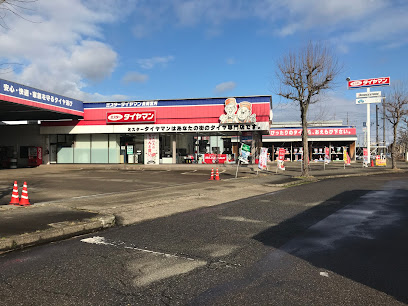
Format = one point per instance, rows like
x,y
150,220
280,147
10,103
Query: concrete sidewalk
x,y
41,223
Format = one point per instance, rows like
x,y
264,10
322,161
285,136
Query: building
x,y
321,135
148,132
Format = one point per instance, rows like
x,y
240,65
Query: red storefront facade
x,y
160,131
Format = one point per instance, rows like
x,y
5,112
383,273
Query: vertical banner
x,y
327,155
344,154
263,159
151,148
365,157
245,152
348,161
346,157
281,158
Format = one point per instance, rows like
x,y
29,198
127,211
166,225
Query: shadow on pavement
x,y
363,240
278,235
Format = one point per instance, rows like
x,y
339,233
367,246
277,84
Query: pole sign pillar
x,y
368,98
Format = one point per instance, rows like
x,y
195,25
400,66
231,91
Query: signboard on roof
x,y
21,94
369,82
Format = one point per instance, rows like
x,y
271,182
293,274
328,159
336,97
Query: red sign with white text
x,y
131,117
281,155
215,158
314,132
369,82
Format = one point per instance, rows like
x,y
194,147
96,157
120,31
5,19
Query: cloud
x,y
150,63
64,48
226,86
230,61
96,97
350,20
153,16
141,31
93,60
135,77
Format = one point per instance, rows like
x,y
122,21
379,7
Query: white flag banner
x,y
263,159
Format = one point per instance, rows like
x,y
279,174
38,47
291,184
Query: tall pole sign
x,y
368,98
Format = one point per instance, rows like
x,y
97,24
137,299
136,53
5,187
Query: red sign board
x,y
369,82
131,117
335,131
214,158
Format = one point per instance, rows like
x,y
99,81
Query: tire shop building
x,y
148,132
331,134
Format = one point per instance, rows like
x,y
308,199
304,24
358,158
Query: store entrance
x,y
131,149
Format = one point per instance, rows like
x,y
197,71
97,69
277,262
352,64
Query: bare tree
x,y
303,76
14,7
396,109
402,140
17,8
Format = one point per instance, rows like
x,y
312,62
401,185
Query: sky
x,y
121,50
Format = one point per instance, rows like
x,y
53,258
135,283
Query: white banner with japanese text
x,y
151,149
263,159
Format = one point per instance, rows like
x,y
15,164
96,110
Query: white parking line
x,y
189,172
102,241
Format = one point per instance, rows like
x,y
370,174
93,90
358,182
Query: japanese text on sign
x,y
159,128
134,117
369,82
314,132
28,93
131,104
151,149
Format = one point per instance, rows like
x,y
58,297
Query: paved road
x,y
338,241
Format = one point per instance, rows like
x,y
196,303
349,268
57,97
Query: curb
x,y
61,230
314,179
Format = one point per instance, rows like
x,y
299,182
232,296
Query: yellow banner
x,y
381,162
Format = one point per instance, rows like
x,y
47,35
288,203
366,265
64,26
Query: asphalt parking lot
x,y
53,183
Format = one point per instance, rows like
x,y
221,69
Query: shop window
x,y
82,149
65,154
99,149
114,152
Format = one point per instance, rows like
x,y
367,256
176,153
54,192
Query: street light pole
x,y
368,129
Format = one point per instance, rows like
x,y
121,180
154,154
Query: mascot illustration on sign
x,y
230,110
244,113
233,114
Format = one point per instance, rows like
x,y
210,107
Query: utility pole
x,y
384,148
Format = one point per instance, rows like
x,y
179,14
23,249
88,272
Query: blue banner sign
x,y
14,92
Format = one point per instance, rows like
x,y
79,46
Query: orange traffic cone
x,y
217,175
14,195
372,163
212,175
24,196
